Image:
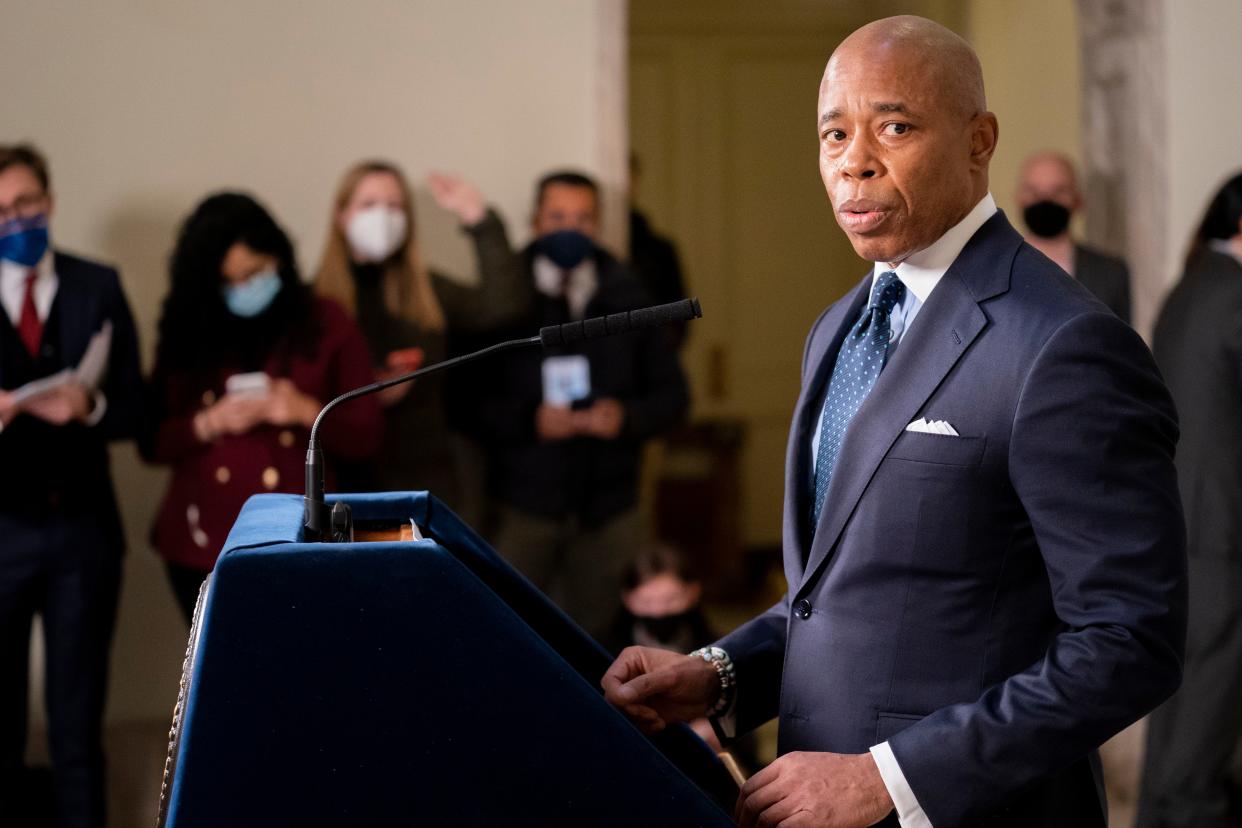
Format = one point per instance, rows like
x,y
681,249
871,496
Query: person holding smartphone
x,y
246,358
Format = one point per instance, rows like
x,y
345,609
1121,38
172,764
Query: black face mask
x,y
665,627
1046,219
566,248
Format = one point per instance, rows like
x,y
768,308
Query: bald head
x,y
905,135
942,54
1048,176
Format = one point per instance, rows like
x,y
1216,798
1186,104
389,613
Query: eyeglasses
x,y
24,207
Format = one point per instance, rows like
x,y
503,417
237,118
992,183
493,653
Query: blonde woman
x,y
373,266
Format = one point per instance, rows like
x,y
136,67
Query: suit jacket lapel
x,y
820,358
945,327
74,307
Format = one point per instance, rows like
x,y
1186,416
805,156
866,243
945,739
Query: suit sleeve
x,y
123,385
1091,460
757,649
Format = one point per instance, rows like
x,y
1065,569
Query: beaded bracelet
x,y
719,659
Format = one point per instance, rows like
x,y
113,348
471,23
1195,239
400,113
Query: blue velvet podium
x,y
406,683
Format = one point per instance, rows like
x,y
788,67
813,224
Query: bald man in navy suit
x,y
982,536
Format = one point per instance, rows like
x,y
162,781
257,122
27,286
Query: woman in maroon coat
x,y
246,358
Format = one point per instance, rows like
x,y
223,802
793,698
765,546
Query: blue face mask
x,y
253,296
24,240
566,248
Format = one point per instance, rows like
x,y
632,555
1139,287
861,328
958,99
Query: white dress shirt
x,y
583,282
13,287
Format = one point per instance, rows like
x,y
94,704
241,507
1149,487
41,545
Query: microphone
x,y
619,323
314,513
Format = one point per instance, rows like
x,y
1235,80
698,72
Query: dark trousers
x,y
64,569
1191,738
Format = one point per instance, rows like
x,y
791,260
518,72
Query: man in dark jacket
x,y
60,533
1048,195
566,428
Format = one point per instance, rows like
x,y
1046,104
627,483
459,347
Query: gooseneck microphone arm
x,y
313,503
313,510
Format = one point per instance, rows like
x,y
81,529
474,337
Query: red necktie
x,y
29,328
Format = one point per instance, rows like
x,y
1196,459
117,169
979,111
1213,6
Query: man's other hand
x,y
63,404
656,688
831,790
603,419
555,422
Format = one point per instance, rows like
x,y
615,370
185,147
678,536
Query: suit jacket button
x,y
802,609
271,478
223,475
286,438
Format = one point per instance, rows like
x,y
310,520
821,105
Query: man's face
x,y
1047,179
21,194
567,207
895,153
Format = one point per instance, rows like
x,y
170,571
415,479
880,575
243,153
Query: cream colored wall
x,y
1029,52
1205,119
145,106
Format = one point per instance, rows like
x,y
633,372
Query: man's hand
x,y
458,196
832,790
7,409
656,688
63,404
554,422
603,419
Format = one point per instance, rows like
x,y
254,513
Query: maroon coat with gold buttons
x,y
211,481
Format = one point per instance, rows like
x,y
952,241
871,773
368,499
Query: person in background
x,y
565,427
247,356
1048,195
660,606
653,258
61,539
1198,346
373,266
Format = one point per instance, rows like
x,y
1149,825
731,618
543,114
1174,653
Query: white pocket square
x,y
922,426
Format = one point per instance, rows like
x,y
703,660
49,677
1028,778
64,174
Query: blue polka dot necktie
x,y
859,363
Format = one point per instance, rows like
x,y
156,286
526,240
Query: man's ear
x,y
51,203
984,132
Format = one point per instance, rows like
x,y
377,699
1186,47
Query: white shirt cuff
x,y
909,812
101,408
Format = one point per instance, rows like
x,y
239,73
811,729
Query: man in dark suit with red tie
x,y
60,532
983,541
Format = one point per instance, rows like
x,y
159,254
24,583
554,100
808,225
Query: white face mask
x,y
375,233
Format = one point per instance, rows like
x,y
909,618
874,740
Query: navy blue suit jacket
x,y
994,605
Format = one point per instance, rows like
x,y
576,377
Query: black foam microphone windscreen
x,y
618,323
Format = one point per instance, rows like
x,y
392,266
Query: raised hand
x,y
458,196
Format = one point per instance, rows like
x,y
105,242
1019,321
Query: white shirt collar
x,y
922,271
1226,247
13,286
583,281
